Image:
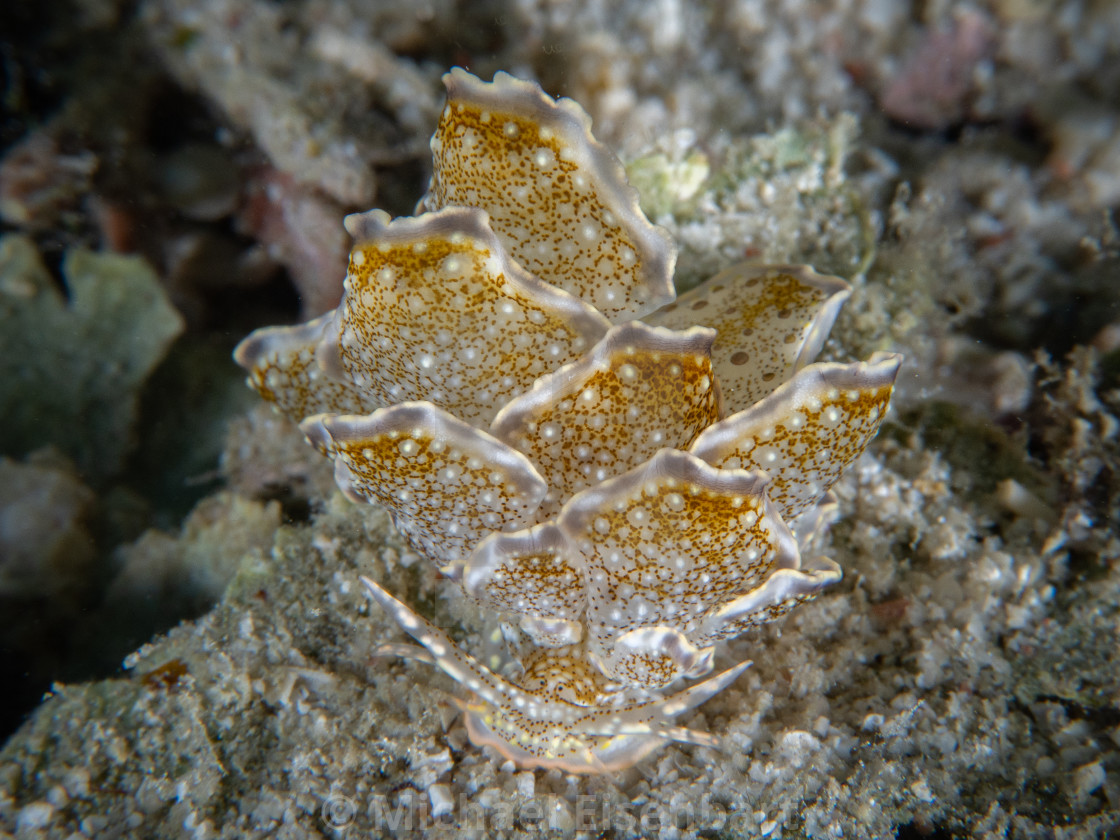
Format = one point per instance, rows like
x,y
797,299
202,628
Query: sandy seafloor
x,y
959,162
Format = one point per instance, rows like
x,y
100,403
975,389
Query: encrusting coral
x,y
625,478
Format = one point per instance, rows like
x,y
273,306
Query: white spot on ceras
x,y
638,517
544,158
767,455
628,373
675,502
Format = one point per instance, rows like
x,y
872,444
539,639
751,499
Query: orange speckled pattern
x,y
772,599
651,657
641,389
435,310
670,541
564,673
649,668
535,575
756,618
282,369
558,199
538,585
447,484
770,321
805,434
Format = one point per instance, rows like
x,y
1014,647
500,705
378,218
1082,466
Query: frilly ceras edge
x,y
625,477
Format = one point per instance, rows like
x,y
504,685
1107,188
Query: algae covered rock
x,y
71,367
45,545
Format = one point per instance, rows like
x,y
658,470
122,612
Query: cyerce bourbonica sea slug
x,y
625,477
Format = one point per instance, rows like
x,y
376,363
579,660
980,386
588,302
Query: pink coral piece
x,y
933,89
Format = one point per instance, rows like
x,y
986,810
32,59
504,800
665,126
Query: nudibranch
x,y
624,477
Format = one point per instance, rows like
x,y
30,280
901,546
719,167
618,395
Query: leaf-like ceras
x,y
770,321
651,554
555,195
640,389
446,483
434,309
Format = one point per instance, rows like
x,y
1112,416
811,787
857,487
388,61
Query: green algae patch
x,y
669,183
71,366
